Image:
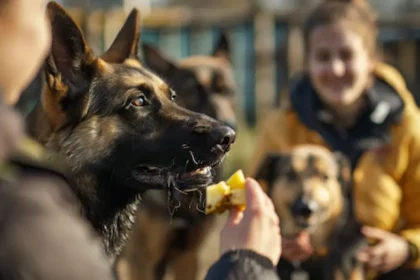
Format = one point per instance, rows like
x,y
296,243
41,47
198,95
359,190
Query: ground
x,y
209,252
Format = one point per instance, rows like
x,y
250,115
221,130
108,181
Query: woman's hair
x,y
356,13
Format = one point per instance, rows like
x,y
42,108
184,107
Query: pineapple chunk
x,y
237,180
238,198
215,194
225,195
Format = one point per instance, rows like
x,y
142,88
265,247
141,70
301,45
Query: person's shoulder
x,y
390,74
30,156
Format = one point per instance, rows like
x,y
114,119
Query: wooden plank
x,y
296,50
390,53
416,86
114,20
95,30
168,17
407,60
78,15
265,81
281,59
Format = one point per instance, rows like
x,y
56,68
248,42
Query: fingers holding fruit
x,y
226,195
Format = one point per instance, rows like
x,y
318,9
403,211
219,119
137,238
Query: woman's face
x,y
339,64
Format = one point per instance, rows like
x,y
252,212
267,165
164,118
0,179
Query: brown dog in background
x,y
163,238
310,190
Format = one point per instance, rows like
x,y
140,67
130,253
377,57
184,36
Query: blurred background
x,y
266,48
265,40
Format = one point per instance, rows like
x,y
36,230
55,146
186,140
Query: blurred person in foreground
x,y
351,102
43,236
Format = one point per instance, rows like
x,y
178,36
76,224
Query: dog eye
x,y
139,101
325,177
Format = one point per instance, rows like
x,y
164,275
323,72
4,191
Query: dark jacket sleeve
x,y
42,237
243,265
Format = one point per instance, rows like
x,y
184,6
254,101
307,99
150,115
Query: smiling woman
x,y
348,101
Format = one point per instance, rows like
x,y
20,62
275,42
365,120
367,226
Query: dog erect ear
x,y
222,48
69,54
69,66
157,61
126,43
344,170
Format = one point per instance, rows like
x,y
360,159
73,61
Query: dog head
x,y
204,84
111,116
307,186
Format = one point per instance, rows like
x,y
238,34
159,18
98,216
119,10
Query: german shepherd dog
x,y
119,129
310,189
204,84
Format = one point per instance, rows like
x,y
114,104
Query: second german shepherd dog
x,y
119,129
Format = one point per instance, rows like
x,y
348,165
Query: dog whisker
x,y
172,208
200,198
170,195
199,210
185,146
184,193
192,200
193,158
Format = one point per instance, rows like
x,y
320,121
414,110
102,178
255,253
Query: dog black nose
x,y
231,124
223,136
304,208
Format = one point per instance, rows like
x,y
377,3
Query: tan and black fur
x,y
117,126
310,189
204,84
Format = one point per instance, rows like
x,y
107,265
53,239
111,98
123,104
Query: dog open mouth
x,y
303,222
179,178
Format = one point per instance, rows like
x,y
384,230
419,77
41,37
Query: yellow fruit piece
x,y
215,195
237,180
225,195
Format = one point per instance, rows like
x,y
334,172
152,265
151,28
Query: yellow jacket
x,y
386,187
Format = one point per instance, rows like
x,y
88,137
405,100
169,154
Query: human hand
x,y
389,253
256,228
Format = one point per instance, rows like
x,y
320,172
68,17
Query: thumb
x,y
254,194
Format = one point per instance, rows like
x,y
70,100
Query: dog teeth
x,y
204,170
152,169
